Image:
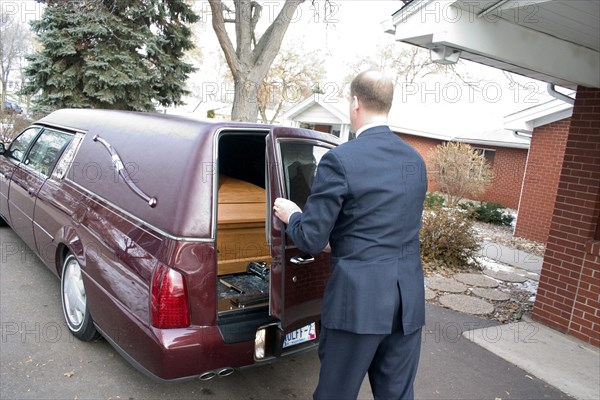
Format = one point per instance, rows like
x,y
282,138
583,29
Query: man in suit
x,y
366,203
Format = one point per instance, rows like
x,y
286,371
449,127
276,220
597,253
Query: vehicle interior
x,y
243,253
243,263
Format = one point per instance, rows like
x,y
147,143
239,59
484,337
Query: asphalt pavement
x,y
39,359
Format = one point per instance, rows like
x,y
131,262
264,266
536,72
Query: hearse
x,y
160,229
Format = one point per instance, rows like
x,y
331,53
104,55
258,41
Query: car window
x,y
46,150
299,168
19,146
65,161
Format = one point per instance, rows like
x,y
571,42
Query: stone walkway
x,y
483,293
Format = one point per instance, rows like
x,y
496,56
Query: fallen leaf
x,y
69,374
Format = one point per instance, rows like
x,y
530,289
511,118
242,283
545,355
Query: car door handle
x,y
297,260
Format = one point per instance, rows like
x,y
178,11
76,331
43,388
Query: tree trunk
x,y
245,100
249,65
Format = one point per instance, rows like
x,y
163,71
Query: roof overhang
x,y
527,120
523,143
331,105
549,40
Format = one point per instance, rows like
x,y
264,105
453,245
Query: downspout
x,y
558,95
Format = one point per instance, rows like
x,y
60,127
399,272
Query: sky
x,y
348,30
352,29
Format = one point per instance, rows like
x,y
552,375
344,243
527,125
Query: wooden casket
x,y
240,225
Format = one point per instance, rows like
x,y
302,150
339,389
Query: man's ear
x,y
354,103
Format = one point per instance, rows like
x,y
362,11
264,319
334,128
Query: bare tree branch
x,y
218,23
265,51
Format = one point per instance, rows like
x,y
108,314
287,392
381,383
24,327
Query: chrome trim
x,y
119,166
298,260
49,125
43,230
67,157
27,168
94,197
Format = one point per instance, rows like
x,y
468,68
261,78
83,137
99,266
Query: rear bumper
x,y
183,354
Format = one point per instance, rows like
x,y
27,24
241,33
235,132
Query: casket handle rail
x,y
120,168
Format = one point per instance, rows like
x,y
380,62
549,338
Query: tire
x,y
74,301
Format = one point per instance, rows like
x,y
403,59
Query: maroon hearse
x,y
161,232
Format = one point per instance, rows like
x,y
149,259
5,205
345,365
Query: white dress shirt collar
x,y
369,126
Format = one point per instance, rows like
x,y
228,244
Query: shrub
x,y
448,238
433,200
488,212
459,171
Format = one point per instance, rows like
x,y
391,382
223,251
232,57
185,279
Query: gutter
x,y
523,134
558,95
495,143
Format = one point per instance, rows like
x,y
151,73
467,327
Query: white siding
x,y
317,115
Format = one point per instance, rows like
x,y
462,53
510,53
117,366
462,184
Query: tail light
x,y
169,302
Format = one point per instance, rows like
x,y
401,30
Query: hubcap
x,y
74,294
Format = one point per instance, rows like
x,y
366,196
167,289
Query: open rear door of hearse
x,y
297,279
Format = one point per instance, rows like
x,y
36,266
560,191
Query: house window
x,y
489,155
336,130
325,128
306,125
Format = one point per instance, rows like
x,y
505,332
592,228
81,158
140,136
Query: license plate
x,y
304,334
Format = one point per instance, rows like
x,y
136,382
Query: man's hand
x,y
284,208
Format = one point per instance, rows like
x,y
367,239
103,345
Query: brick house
x,y
548,124
506,152
557,44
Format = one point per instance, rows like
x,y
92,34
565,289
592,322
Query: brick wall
x,y
568,297
424,146
509,167
544,166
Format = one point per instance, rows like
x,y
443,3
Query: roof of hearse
x,y
170,158
88,119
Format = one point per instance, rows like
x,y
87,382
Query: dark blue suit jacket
x,y
366,201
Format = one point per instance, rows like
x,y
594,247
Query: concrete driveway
x,y
41,360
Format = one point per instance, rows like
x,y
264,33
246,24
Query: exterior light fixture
x,y
442,54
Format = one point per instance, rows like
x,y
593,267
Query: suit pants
x,y
391,361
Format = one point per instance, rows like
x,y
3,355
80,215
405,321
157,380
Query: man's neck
x,y
371,122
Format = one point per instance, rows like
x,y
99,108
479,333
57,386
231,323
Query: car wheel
x,y
74,301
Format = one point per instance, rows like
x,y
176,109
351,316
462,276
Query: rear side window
x,y
300,162
46,150
18,148
64,163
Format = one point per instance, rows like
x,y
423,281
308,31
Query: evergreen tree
x,y
116,54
